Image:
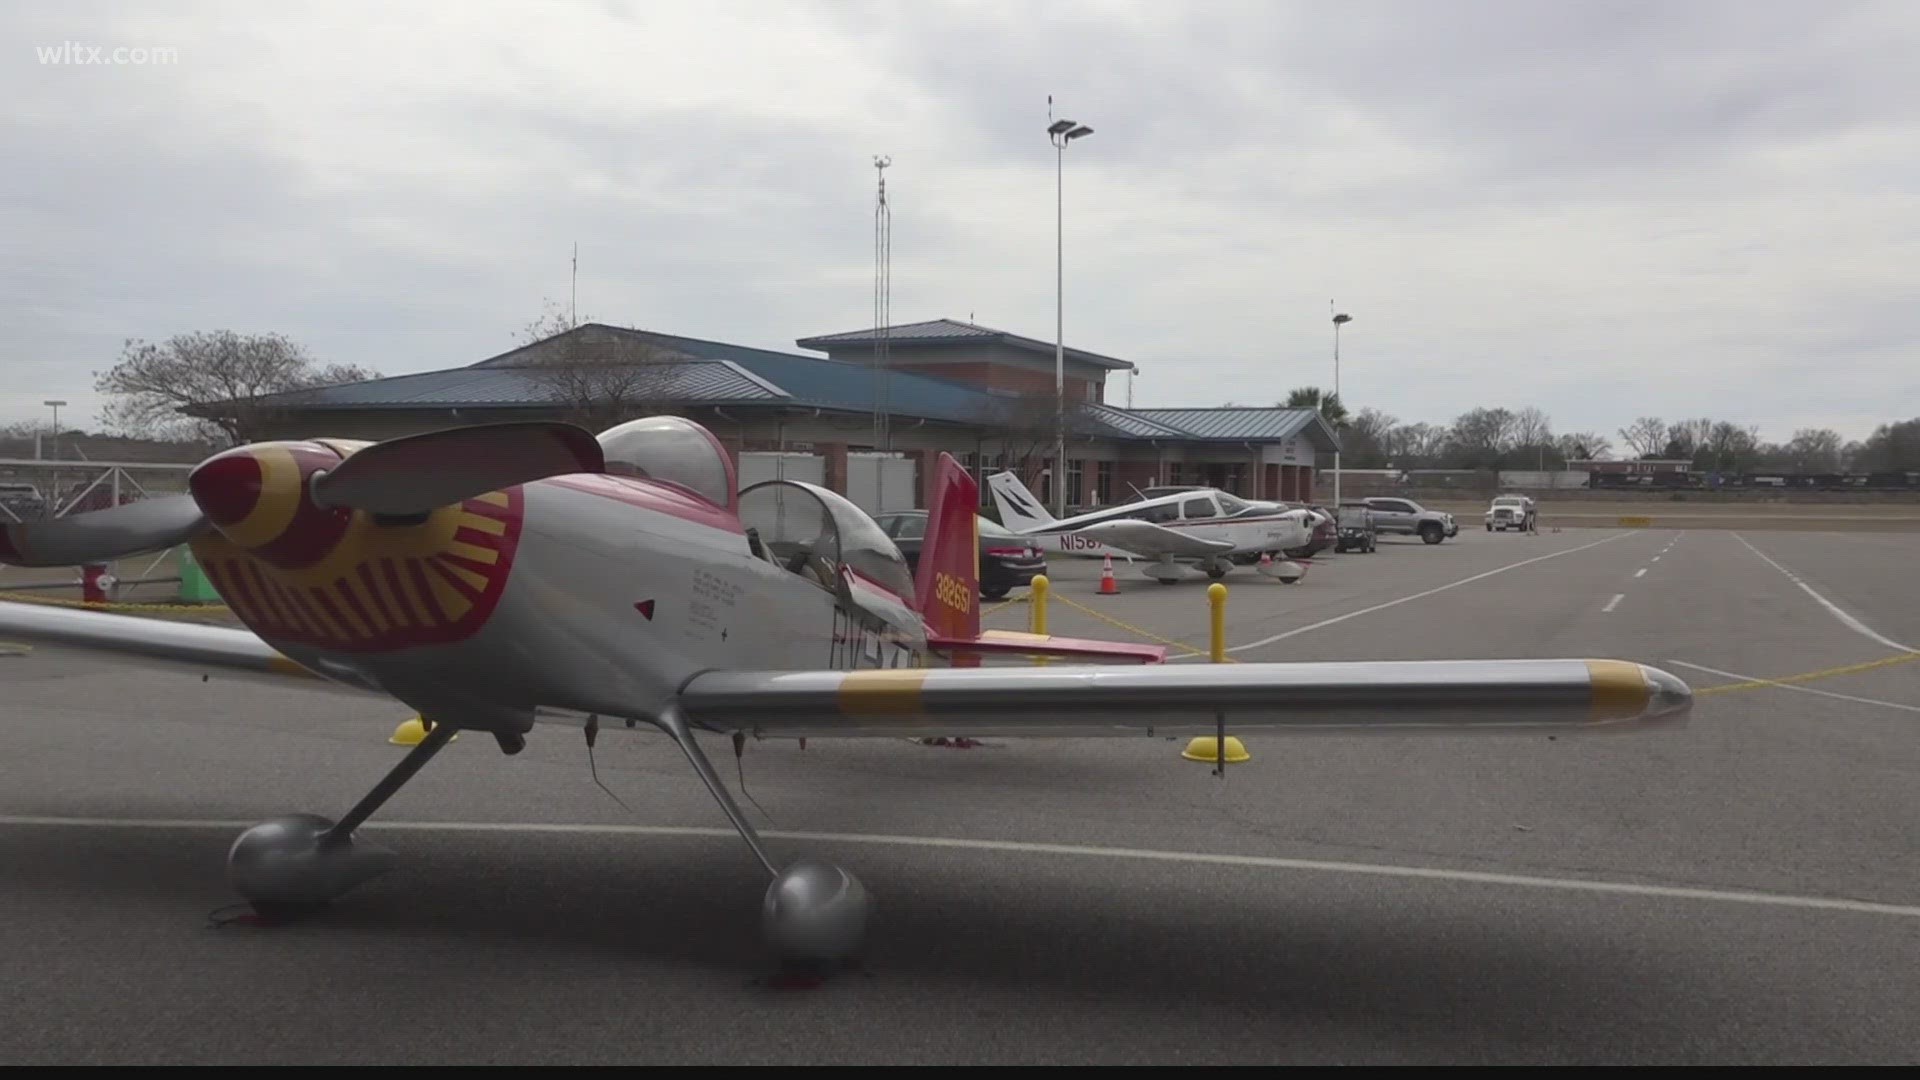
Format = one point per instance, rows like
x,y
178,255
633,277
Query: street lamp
x,y
1337,320
56,424
1061,132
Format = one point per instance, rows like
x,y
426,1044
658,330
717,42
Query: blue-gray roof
x,y
691,382
955,332
1232,422
694,372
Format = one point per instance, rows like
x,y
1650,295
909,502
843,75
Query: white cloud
x,y
1605,211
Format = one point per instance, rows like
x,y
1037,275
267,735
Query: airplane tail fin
x,y
949,575
1019,510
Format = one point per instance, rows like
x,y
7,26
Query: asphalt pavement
x,y
1741,890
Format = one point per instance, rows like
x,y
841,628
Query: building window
x,y
1173,473
1074,489
1103,483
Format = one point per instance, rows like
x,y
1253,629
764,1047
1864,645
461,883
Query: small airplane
x,y
494,576
1208,528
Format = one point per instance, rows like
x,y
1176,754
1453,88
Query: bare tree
x,y
1645,437
1366,439
1584,446
1815,450
599,375
219,376
1026,430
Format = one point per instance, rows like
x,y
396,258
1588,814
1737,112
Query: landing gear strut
x,y
815,913
293,865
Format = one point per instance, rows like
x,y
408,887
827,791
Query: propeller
x,y
288,502
104,535
418,474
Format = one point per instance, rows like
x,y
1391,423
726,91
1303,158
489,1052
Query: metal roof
x,y
953,332
691,382
716,373
851,387
1245,423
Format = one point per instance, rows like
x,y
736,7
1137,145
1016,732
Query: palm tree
x,y
1332,410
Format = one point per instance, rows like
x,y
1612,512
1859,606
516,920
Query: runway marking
x,y
1419,595
1263,862
1849,621
1787,682
1642,572
1656,558
1615,602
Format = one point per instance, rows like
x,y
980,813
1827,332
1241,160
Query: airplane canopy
x,y
807,528
673,449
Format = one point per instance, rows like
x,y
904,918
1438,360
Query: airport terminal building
x,y
867,419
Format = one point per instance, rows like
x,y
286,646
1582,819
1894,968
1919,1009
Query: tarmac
x,y
1741,890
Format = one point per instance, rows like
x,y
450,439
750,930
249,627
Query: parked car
x,y
1511,512
23,500
1007,559
1409,518
1356,531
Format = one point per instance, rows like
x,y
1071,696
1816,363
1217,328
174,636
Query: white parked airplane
x,y
1206,527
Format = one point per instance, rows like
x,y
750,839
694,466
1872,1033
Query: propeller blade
x,y
104,535
421,473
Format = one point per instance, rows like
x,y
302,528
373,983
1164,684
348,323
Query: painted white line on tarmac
x,y
1310,627
1642,572
1849,621
1615,602
1902,706
1261,862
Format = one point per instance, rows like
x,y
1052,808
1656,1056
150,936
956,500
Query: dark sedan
x,y
1007,559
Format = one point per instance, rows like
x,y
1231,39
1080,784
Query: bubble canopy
x,y
675,450
805,528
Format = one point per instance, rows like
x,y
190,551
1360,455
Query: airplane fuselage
x,y
595,593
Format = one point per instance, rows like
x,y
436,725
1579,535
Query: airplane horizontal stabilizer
x,y
1016,643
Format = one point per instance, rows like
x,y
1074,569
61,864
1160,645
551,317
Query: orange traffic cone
x,y
1108,586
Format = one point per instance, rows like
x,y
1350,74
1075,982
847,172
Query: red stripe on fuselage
x,y
652,495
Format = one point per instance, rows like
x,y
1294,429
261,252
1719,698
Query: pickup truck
x,y
1409,518
1511,512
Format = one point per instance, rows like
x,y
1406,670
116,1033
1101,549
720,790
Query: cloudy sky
x,y
1603,208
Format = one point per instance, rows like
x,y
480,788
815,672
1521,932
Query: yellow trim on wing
x,y
892,692
1620,689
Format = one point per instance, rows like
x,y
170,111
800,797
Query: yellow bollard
x,y
1222,748
1039,621
1217,599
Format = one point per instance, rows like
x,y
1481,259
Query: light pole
x,y
56,424
1061,132
1337,320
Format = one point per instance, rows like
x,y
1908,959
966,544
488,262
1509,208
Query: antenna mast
x,y
882,307
573,299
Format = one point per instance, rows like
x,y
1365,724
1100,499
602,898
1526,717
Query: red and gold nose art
x,y
335,579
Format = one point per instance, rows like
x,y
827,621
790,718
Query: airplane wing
x,y
222,648
1152,541
1388,697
